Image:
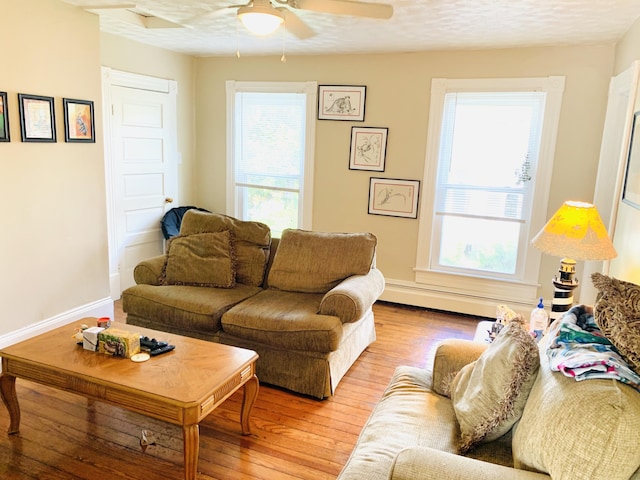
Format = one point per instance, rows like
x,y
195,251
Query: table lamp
x,y
575,232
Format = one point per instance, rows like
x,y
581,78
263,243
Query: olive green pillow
x,y
252,241
489,394
315,262
201,259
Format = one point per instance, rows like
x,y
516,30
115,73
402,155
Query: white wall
x,y
53,251
53,248
398,87
626,236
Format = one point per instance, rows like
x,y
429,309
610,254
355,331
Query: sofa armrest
x,y
352,297
451,355
148,271
428,463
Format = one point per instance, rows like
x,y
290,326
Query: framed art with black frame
x,y
394,197
368,148
631,189
341,102
4,118
79,124
37,118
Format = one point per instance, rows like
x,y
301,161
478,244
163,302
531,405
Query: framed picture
x,y
4,118
78,121
631,190
394,197
37,118
341,102
368,148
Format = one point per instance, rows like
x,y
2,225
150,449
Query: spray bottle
x,y
538,321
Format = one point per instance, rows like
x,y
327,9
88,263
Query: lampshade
x,y
575,231
260,19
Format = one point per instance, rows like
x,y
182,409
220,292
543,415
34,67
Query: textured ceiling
x,y
416,25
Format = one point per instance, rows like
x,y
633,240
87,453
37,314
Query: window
x,y
489,160
486,174
270,148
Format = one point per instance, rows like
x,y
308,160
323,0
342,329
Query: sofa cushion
x,y
578,430
489,394
184,308
315,262
617,313
201,259
284,320
410,414
252,241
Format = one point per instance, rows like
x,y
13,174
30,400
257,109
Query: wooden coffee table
x,y
180,387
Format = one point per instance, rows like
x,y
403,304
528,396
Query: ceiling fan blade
x,y
204,17
343,7
295,25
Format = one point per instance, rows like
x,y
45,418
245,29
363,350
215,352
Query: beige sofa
x,y
569,430
302,302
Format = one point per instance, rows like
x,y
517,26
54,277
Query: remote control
x,y
149,344
160,350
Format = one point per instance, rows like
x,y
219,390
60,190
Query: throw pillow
x,y
617,313
252,241
315,262
489,394
202,259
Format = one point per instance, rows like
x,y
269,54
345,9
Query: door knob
x,y
168,200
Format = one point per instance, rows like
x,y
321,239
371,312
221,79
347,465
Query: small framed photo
x,y
341,102
37,118
631,189
79,125
394,197
4,118
368,148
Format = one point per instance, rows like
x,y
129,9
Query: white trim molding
x,y
99,308
450,295
114,78
472,294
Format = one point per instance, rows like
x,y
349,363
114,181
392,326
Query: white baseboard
x,y
99,308
416,294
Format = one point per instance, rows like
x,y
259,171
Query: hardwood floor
x,y
64,436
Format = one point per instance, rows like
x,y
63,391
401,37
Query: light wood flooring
x,y
63,436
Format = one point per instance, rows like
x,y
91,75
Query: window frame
x,y
310,89
522,286
527,189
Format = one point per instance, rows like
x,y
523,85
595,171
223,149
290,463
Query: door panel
x,y
142,167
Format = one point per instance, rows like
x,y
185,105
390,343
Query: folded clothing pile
x,y
579,349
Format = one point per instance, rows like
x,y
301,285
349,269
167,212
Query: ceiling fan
x,y
265,16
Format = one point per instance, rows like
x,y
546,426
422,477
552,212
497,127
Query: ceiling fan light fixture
x,y
260,20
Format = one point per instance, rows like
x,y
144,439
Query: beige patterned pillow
x,y
202,259
617,313
489,394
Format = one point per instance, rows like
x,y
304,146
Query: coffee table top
x,y
185,374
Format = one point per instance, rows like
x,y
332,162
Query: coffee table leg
x,y
10,399
191,450
250,395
